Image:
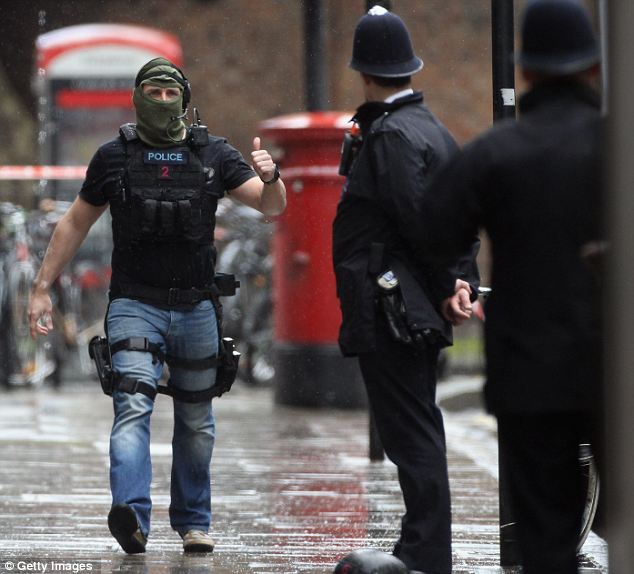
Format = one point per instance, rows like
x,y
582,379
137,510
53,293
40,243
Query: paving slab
x,y
293,489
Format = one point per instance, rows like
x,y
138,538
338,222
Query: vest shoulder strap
x,y
128,132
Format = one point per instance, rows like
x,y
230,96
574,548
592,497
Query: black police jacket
x,y
534,184
403,146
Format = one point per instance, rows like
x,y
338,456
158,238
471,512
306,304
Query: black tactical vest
x,y
163,197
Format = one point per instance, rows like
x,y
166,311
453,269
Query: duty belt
x,y
171,296
224,285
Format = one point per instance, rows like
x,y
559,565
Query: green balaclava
x,y
156,121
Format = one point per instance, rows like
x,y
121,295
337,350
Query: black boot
x,y
124,526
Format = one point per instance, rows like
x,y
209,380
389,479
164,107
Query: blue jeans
x,y
184,334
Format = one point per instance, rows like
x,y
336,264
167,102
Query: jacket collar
x,y
368,112
548,92
399,95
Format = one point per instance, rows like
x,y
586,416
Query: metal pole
x,y
503,66
603,34
620,290
315,56
503,73
376,451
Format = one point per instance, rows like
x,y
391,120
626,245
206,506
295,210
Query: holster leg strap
x,y
192,364
190,396
131,386
141,344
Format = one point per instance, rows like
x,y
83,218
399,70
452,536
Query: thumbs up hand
x,y
262,161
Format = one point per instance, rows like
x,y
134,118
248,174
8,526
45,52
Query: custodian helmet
x,y
557,38
382,46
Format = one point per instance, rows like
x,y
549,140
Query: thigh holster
x,y
226,364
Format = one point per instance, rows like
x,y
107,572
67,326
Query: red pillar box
x,y
310,370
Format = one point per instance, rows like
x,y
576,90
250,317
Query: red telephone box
x,y
310,370
84,79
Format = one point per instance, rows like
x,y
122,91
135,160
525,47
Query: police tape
x,y
32,172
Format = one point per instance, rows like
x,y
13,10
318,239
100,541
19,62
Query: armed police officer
x,y
396,311
162,181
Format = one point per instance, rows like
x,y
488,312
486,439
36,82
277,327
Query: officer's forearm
x,y
273,199
61,249
68,236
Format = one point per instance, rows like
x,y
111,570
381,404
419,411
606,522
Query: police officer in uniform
x,y
535,185
379,274
162,181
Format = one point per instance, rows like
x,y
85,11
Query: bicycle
x,y
79,294
247,317
25,361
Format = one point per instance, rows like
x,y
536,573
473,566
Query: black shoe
x,y
124,526
368,560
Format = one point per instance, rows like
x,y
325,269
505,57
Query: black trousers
x,y
401,389
545,486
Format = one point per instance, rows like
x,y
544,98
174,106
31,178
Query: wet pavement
x,y
293,489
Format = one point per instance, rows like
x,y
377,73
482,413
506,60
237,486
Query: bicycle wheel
x,y
591,476
589,472
3,281
4,351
